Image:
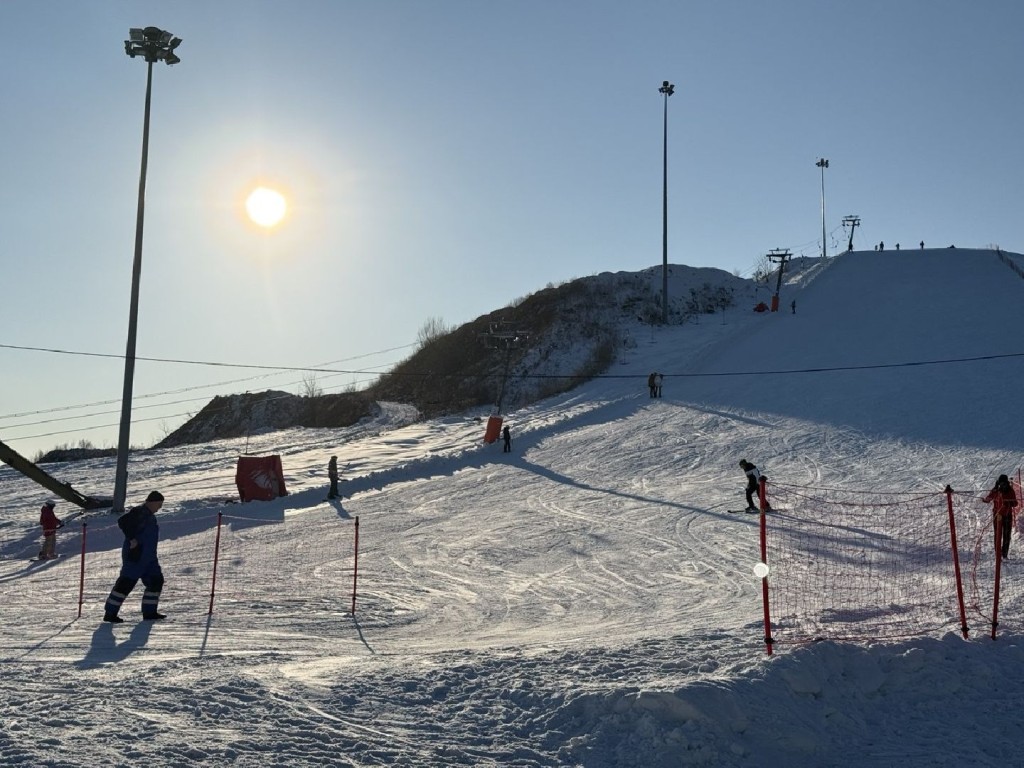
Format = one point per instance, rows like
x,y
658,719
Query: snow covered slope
x,y
584,600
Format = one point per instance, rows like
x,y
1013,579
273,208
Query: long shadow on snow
x,y
481,455
104,648
560,478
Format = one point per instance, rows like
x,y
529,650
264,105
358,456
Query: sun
x,y
266,207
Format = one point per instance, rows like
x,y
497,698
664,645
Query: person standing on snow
x,y
332,473
138,561
650,384
753,485
506,435
1003,501
48,519
658,378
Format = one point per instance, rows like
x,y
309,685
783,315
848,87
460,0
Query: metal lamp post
x,y
154,45
823,164
667,89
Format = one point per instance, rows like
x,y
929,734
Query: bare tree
x,y
763,268
310,387
433,328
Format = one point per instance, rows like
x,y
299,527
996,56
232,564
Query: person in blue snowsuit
x,y
138,561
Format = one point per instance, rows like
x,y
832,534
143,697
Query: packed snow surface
x,y
585,600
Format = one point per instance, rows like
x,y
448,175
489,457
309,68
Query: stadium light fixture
x,y
153,45
667,89
823,164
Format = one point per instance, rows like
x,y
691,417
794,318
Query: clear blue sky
x,y
442,159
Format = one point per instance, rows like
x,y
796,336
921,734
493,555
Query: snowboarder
x,y
753,485
139,561
1003,501
48,519
332,473
506,435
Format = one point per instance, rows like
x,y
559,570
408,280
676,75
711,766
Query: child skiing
x,y
48,519
753,485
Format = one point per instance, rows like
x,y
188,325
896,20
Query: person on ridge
x,y
506,435
650,384
753,485
138,561
332,473
658,378
1003,500
48,519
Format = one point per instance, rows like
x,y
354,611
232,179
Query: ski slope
x,y
585,600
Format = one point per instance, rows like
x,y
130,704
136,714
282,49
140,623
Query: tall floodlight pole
x,y
667,89
154,45
823,164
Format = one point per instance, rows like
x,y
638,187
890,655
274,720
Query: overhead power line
x,y
448,377
434,374
211,363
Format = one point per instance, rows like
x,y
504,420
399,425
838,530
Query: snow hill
x,y
583,601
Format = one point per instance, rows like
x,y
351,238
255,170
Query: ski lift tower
x,y
503,335
779,255
852,222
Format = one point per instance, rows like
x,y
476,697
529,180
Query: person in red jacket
x,y
48,519
1003,500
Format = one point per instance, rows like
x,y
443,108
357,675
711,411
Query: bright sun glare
x,y
266,207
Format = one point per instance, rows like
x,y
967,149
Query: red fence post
x,y
1017,491
999,569
355,567
81,574
956,561
216,557
768,639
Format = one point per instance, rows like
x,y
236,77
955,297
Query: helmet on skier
x,y
49,503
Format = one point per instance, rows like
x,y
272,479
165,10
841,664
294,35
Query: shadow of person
x,y
342,512
104,648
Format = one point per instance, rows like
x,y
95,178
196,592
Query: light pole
x,y
667,89
823,164
154,45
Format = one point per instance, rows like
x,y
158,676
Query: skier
x,y
753,485
506,435
1003,501
332,473
48,519
138,561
